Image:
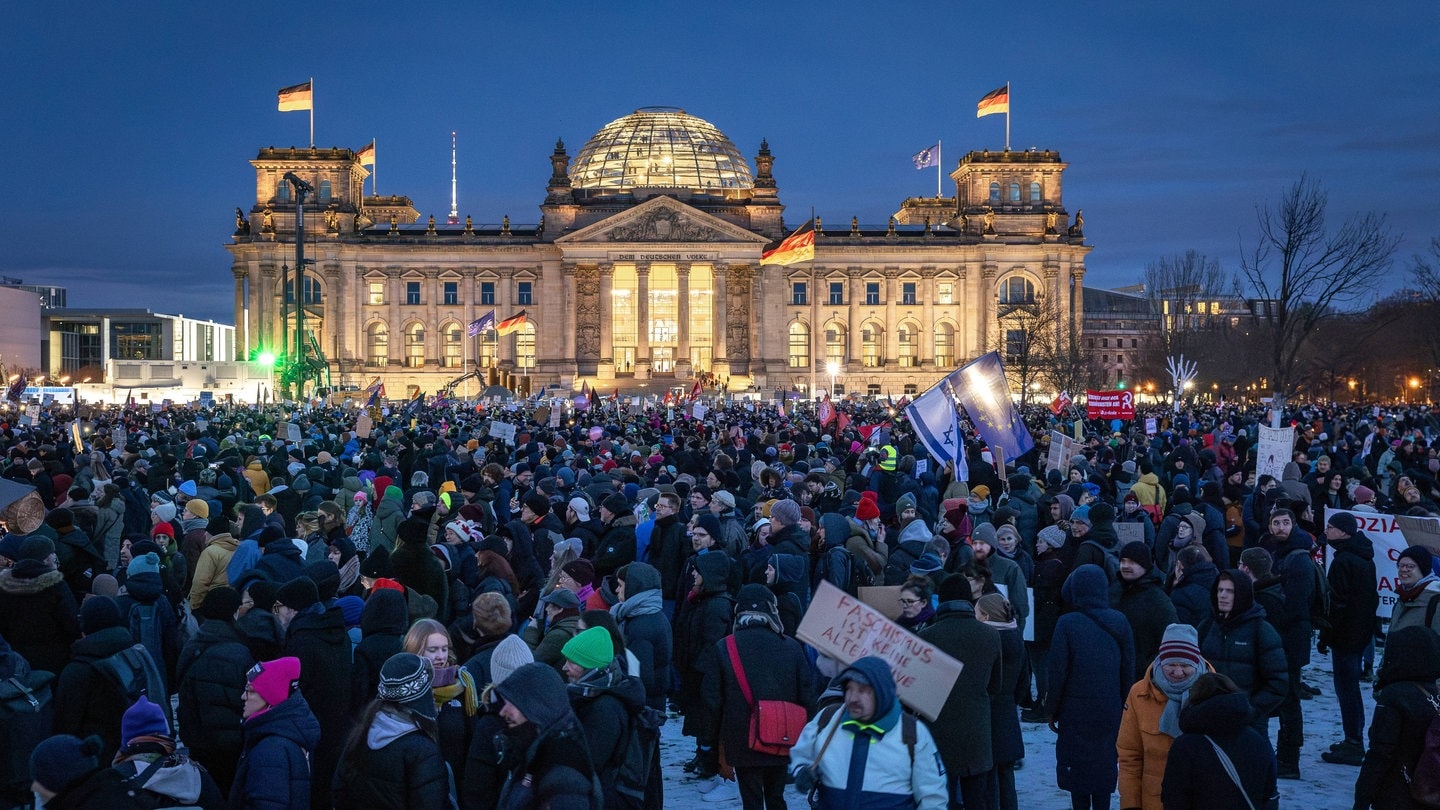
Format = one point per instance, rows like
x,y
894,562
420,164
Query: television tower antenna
x,y
454,210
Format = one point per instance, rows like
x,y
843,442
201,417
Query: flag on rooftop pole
x,y
366,156
512,323
995,102
300,97
928,157
797,247
481,324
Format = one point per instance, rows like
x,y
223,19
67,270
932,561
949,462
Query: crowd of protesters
x,y
199,609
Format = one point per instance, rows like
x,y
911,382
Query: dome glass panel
x,y
660,147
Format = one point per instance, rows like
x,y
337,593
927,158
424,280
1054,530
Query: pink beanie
x,y
274,680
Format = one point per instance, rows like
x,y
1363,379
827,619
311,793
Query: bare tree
x,y
1301,272
1028,339
1425,272
1184,292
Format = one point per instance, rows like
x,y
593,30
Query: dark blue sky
x,y
128,126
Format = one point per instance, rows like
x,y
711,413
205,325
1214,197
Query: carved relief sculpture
x,y
662,226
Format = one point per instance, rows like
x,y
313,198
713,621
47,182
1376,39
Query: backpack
x,y
146,629
1319,594
133,673
1153,510
1424,780
1111,559
638,783
27,713
840,568
907,727
897,565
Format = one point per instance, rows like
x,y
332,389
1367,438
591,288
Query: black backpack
x,y
638,783
897,565
27,714
133,673
840,568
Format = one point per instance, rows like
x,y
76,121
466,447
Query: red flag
x,y
825,411
616,396
1061,403
866,430
695,391
842,421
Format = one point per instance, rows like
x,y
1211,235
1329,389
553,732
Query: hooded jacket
x,y
394,765
964,737
1353,597
38,614
1243,646
1195,779
791,589
275,762
210,568
87,702
1149,611
210,678
646,631
1405,704
1148,491
319,639
383,623
604,700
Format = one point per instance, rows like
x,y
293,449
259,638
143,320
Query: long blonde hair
x,y
420,632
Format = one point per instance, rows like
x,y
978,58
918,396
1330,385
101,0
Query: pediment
x,y
662,219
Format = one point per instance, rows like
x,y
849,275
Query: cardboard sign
x,y
846,629
1391,535
1110,404
883,598
1273,451
555,417
1062,449
503,431
363,425
75,437
1129,532
542,415
698,411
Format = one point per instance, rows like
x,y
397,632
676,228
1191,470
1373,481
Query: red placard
x,y
1109,405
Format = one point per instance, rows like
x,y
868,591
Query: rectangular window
x,y
377,292
412,293
946,293
487,293
872,294
1104,343
907,293
452,293
797,294
1134,343
1016,345
837,293
524,293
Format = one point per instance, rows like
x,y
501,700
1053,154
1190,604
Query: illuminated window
x,y
309,291
525,347
451,293
907,293
799,345
701,322
660,147
415,346
664,326
377,344
872,293
944,345
412,293
995,193
797,294
872,352
488,342
487,293
837,293
1014,192
909,346
377,293
323,196
945,293
454,348
1035,192
1017,291
624,317
524,293
835,344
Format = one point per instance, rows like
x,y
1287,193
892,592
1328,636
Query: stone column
x,y
571,323
433,289
605,369
394,291
890,349
333,323
471,352
682,315
926,351
241,341
854,296
642,317
720,364
1077,299
504,308
989,312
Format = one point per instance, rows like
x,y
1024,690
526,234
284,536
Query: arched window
x,y
415,346
488,342
872,345
282,192
799,345
944,345
909,339
454,347
1014,192
1034,192
835,343
1017,291
995,193
525,347
377,344
310,291
323,197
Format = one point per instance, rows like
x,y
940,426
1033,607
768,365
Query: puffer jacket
x,y
274,768
210,568
1195,779
1405,704
396,766
1142,746
1245,648
604,701
211,682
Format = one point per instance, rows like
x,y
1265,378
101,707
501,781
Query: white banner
x,y
1389,536
1273,451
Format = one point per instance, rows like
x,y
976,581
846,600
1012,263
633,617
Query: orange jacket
x,y
1142,748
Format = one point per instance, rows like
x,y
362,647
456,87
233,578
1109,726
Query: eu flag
x,y
484,323
927,158
983,391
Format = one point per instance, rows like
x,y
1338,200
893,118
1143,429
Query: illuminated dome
x,y
660,147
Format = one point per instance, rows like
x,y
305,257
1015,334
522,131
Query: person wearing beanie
x,y
394,759
147,762
86,701
414,566
648,633
868,508
319,639
873,716
210,680
1130,513
1417,590
1151,720
66,771
37,607
704,617
561,622
279,737
554,770
1093,527
1004,571
1364,499
617,543
1353,602
389,514
1139,593
775,668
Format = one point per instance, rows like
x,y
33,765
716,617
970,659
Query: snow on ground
x,y
1322,786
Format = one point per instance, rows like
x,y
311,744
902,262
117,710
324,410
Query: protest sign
x,y
1273,451
843,627
1390,536
364,425
698,411
1129,532
1062,449
884,598
1109,405
555,417
75,437
1152,426
503,431
541,415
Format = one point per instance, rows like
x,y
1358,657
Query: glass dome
x,y
660,147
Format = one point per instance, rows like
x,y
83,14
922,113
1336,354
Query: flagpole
x,y
375,166
1007,116
938,161
312,112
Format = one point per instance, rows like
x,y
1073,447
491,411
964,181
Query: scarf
x,y
1175,696
640,604
349,573
1413,593
458,684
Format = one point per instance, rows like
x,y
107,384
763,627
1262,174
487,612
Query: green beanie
x,y
393,493
591,648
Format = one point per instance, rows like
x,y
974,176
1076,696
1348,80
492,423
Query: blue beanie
x,y
351,607
144,719
148,563
61,761
1081,514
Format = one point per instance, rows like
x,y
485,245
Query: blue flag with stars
x,y
928,157
982,390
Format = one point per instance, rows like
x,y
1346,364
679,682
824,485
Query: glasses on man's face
x,y
908,602
699,533
1407,568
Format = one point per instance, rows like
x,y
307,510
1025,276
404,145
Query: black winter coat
x,y
1149,612
211,681
87,702
1405,705
650,637
38,617
274,768
416,568
604,701
962,731
1192,596
616,546
1353,597
281,561
322,644
1298,578
556,764
1006,741
1245,648
483,777
776,669
404,772
383,623
668,549
1194,777
1050,573
698,626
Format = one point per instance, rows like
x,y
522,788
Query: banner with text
x,y
1391,535
1109,405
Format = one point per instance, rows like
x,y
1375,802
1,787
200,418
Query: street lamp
x,y
834,369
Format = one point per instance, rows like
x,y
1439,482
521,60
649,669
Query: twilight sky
x,y
128,126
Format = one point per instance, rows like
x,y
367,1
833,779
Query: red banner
x,y
1109,405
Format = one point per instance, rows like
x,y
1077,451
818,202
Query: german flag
x,y
297,97
512,324
994,102
797,247
367,154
